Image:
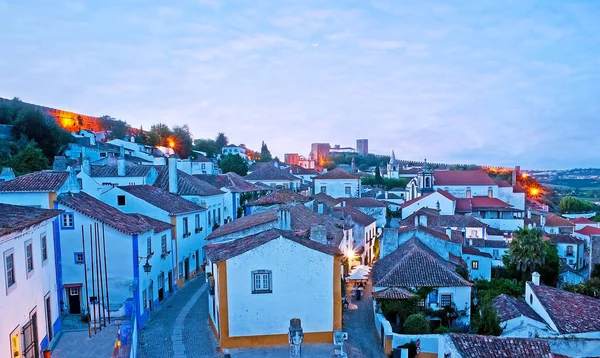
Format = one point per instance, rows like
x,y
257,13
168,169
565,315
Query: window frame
x,y
44,248
9,288
324,189
79,262
186,227
570,250
145,300
149,246
261,274
163,245
475,265
348,190
29,261
445,295
496,253
62,221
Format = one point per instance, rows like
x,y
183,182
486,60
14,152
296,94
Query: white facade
x,y
138,150
525,327
292,185
231,149
193,167
571,254
95,186
461,191
507,195
32,292
446,206
338,188
480,267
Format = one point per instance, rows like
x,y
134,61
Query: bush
x,y
412,348
442,330
416,324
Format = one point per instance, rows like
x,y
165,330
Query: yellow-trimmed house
x,y
261,281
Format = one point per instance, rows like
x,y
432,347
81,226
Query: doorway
x,y
161,286
48,309
74,300
197,261
170,283
187,268
151,295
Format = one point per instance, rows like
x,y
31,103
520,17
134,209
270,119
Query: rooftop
x,y
496,244
325,199
283,196
582,315
162,199
357,216
186,184
440,233
336,174
470,250
131,170
415,265
16,218
157,225
270,173
557,221
91,207
509,307
588,231
582,220
361,202
394,293
42,181
231,181
476,346
462,177
564,239
434,219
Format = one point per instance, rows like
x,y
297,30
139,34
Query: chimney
x,y
173,176
121,152
86,167
423,220
386,194
284,219
515,173
318,233
449,232
535,278
121,166
353,166
132,139
320,208
343,203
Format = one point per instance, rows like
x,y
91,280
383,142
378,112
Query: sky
x,y
494,82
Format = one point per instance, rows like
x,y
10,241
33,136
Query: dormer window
x,y
490,192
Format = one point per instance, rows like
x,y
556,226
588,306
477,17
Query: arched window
x,y
427,182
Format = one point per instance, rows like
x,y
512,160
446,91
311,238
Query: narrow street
x,y
362,340
179,327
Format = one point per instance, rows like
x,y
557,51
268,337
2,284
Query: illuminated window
x,y
475,265
468,192
261,281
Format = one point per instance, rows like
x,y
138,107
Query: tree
x,y
141,137
489,322
208,146
162,132
590,287
29,159
49,137
221,141
595,271
116,128
527,249
378,179
183,140
152,139
416,324
462,271
486,291
234,163
570,204
265,154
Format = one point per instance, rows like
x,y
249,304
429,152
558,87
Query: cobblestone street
x,y
362,340
173,334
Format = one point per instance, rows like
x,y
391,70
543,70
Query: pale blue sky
x,y
488,82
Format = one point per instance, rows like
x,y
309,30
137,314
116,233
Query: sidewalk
x,y
74,341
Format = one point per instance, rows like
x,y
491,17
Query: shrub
x,y
442,330
412,348
416,324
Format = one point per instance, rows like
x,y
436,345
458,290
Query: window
x,y
209,219
163,244
203,166
475,265
29,258
474,233
149,244
121,200
569,250
180,269
186,228
324,189
79,258
261,281
145,299
421,302
103,155
445,300
219,215
348,189
571,262
496,253
215,215
531,298
67,221
197,219
9,268
43,245
468,192
433,297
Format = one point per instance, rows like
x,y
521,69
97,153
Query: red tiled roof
x,y
17,218
394,293
42,181
336,174
186,184
325,199
503,183
157,225
231,181
476,346
415,265
162,199
362,202
357,216
298,170
268,173
434,219
564,239
589,230
470,250
497,244
447,194
414,200
487,202
509,307
96,209
570,312
224,251
283,196
582,220
462,177
202,159
518,189
463,205
440,233
557,221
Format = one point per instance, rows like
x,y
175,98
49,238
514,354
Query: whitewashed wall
x,y
447,206
336,188
460,191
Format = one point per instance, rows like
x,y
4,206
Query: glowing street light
x,y
534,191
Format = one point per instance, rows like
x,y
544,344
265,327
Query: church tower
x,y
425,179
393,167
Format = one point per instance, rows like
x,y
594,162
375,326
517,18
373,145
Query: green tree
x,y
34,125
570,204
221,141
208,146
416,324
590,287
234,163
162,132
152,139
489,322
462,271
486,291
378,179
527,249
265,154
116,128
29,159
141,137
183,140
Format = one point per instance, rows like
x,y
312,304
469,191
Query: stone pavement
x,y
308,350
179,326
362,340
77,344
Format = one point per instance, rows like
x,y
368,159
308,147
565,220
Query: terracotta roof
x,y
162,199
496,244
467,205
509,307
463,205
447,194
224,251
336,174
588,231
494,231
186,184
557,221
157,225
476,346
96,209
414,200
394,293
503,183
462,177
231,181
325,199
436,220
582,220
283,196
202,159
42,181
470,250
97,171
17,218
518,189
244,223
357,216
298,170
564,239
582,315
440,233
269,172
415,265
362,202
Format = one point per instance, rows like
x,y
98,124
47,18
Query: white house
x,y
571,250
234,149
188,221
96,179
145,152
29,302
274,177
368,206
199,165
496,248
337,184
38,189
582,222
518,319
364,231
305,174
479,263
470,226
554,224
260,282
91,230
439,200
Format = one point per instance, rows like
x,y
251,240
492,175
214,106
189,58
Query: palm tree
x,y
527,249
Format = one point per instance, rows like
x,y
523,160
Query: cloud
x,y
380,44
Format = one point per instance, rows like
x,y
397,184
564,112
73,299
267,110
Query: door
x,y
30,337
48,309
170,282
74,300
161,286
197,261
151,295
187,268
